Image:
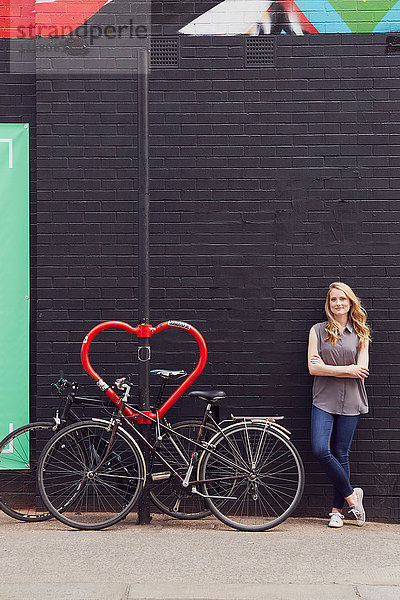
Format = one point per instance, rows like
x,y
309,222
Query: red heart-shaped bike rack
x,y
144,331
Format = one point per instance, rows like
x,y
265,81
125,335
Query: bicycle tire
x,y
71,488
169,495
264,476
19,453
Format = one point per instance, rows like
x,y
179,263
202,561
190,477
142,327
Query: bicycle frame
x,y
144,331
184,480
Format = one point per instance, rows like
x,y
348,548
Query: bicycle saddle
x,y
166,374
212,396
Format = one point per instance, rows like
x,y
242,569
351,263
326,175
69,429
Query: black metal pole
x,y
144,255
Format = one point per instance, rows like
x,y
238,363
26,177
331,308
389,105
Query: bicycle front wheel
x,y
19,453
89,481
253,476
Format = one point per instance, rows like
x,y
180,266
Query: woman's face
x,y
339,302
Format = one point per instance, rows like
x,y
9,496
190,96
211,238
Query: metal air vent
x,y
260,51
164,52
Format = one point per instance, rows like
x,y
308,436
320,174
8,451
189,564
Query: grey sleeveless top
x,y
339,395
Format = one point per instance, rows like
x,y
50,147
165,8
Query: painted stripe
x,y
230,17
306,25
325,19
390,22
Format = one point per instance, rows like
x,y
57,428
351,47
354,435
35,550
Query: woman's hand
x,y
315,359
357,372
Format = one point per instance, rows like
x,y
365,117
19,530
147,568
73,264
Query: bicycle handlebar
x,y
144,331
62,384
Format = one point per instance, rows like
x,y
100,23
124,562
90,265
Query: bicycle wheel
x,y
253,476
167,492
19,453
72,488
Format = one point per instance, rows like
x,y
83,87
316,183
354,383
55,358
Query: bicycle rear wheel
x,y
19,454
167,492
253,476
78,493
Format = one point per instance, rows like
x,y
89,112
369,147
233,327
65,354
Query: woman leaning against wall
x,y
338,359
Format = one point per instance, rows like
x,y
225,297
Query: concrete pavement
x,y
203,560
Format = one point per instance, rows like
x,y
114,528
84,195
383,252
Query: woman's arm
x,y
363,357
316,365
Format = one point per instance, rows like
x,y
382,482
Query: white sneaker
x,y
358,510
336,519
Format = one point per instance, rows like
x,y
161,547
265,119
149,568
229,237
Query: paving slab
x,y
242,592
179,591
379,592
64,591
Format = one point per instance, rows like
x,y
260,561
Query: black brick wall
x,y
267,184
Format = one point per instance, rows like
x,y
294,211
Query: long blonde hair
x,y
357,316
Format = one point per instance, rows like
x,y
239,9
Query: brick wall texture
x,y
267,184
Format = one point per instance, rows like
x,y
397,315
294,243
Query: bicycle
x,y
20,450
249,473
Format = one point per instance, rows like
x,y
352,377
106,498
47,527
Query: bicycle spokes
x,y
89,481
269,491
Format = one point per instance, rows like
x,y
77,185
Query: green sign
x,y
14,277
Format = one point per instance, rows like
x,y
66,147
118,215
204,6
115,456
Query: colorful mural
x,y
255,17
28,19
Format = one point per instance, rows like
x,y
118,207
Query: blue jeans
x,y
331,437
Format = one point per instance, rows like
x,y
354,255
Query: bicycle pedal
x,y
160,476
